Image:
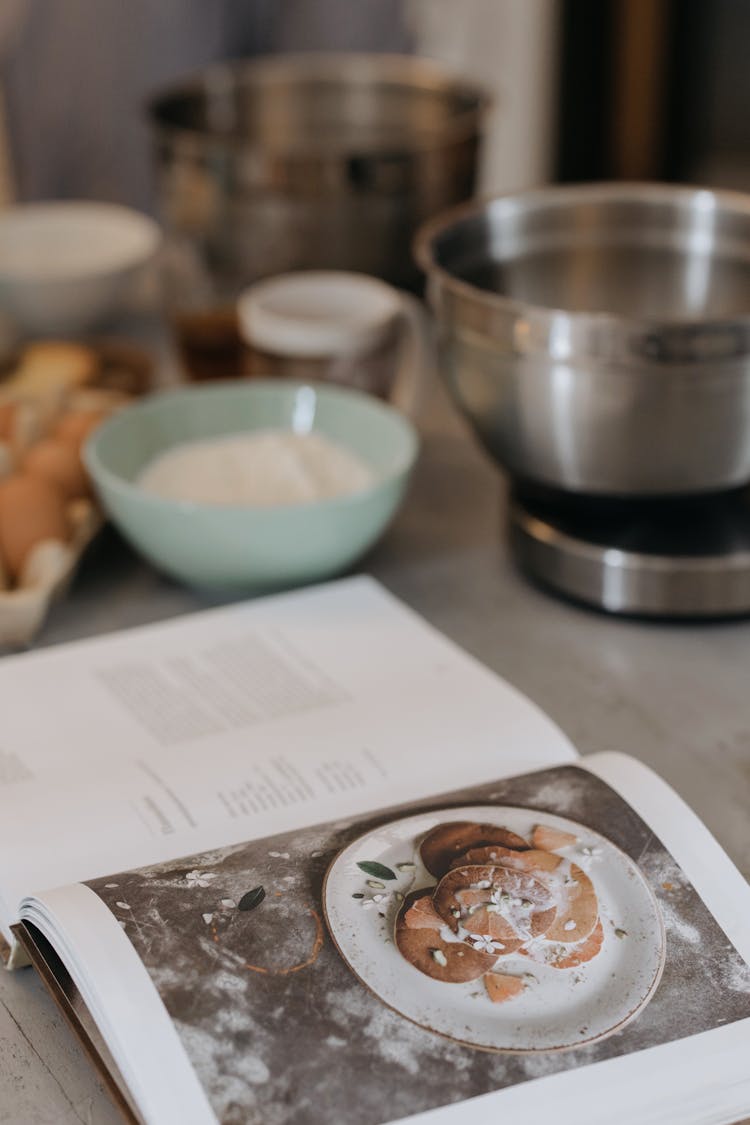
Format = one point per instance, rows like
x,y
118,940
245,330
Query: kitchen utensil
x,y
309,162
598,336
339,327
241,547
65,267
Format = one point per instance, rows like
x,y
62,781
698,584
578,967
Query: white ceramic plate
x,y
559,1008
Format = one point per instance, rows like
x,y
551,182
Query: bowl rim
x,y
96,468
149,229
423,251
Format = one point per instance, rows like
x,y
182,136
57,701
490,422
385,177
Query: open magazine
x,y
310,862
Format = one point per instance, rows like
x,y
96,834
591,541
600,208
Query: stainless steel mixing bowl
x,y
314,161
598,336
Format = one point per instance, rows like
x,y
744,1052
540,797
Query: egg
x,y
51,367
20,424
7,414
76,425
58,461
31,510
6,460
29,425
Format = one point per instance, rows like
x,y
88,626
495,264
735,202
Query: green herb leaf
x,y
379,870
252,899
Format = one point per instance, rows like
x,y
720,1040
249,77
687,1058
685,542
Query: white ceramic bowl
x,y
66,267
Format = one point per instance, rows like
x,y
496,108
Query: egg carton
x,y
51,563
46,575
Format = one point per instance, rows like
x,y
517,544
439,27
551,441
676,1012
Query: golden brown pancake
x,y
443,844
520,903
530,860
575,895
451,962
501,987
422,915
578,912
550,839
579,954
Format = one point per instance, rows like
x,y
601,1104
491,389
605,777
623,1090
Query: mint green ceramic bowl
x,y
251,548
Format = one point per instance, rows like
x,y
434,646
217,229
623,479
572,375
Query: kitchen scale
x,y
681,557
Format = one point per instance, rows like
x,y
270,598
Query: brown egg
x,y
7,463
20,424
58,461
31,510
76,425
7,414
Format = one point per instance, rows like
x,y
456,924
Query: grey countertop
x,y
675,696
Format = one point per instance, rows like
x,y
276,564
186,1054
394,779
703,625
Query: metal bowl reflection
x,y
598,336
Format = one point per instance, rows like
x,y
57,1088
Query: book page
x,y
715,878
71,919
238,722
493,950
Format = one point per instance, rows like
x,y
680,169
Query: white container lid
x,y
317,313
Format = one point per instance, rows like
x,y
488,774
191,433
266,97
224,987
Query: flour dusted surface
x,y
264,468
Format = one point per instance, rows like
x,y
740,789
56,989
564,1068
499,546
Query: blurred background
x,y
584,89
76,75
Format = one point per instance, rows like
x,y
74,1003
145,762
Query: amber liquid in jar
x,y
210,347
209,343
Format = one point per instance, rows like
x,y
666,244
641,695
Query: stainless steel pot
x,y
314,161
598,337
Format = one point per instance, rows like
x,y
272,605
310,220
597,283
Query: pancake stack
x,y
498,894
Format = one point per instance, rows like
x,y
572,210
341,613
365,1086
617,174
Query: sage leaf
x,y
252,899
378,870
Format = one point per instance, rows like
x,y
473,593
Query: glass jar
x,y
332,326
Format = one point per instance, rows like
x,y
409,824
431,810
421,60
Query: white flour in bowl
x,y
262,468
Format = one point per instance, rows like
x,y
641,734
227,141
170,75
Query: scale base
x,y
673,558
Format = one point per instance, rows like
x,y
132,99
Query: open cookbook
x,y
303,860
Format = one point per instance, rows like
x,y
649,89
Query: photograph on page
x,y
377,968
